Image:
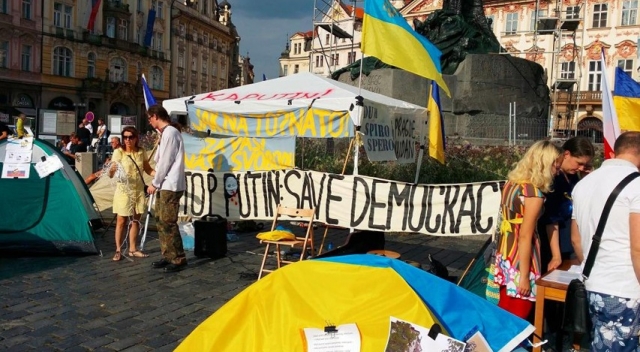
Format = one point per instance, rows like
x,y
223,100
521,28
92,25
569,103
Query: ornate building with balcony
x,y
20,58
204,48
93,60
572,60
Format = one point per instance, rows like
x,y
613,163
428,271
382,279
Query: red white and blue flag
x,y
95,7
149,100
610,124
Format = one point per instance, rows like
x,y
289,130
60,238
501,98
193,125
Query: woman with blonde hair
x,y
517,263
129,198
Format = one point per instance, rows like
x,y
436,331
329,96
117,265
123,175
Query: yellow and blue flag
x,y
626,100
436,124
387,36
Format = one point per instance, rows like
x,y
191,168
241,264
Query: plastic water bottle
x,y
232,237
330,246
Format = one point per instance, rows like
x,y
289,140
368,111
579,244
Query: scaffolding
x,y
328,16
563,25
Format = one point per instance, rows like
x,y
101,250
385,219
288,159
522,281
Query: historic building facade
x,y
572,60
93,59
204,48
20,58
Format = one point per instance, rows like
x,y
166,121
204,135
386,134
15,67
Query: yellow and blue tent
x,y
364,289
626,100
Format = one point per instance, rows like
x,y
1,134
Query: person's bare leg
x,y
120,223
133,238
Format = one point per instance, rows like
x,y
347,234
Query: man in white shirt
x,y
614,283
168,184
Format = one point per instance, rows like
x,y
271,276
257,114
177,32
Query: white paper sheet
x,y
346,339
15,170
17,144
477,343
49,166
420,337
562,276
49,122
17,156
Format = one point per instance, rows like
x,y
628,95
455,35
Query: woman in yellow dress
x,y
129,198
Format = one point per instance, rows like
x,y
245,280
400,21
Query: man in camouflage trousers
x,y
168,184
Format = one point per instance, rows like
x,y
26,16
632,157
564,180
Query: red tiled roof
x,y
349,10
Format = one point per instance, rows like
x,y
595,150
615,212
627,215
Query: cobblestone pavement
x,y
91,303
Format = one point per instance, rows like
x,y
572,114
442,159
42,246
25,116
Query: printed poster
x,y
15,170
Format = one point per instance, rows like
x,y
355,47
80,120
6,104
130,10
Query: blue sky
x,y
263,26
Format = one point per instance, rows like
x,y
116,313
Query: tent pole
x,y
146,222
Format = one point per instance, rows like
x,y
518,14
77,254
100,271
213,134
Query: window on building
x,y
57,14
318,60
326,39
599,15
573,12
629,12
159,7
595,75
335,59
111,27
138,69
181,89
296,68
512,23
4,8
139,37
181,59
626,66
568,70
351,57
215,44
139,5
535,16
205,40
194,64
26,58
118,70
62,61
205,7
68,13
205,63
26,9
158,38
123,29
4,54
285,70
91,65
156,77
214,68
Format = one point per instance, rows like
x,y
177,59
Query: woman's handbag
x,y
139,173
576,309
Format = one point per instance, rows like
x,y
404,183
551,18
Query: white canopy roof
x,y
298,90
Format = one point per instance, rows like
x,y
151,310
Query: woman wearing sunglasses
x,y
129,199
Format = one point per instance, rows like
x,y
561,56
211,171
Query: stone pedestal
x,y
86,164
481,91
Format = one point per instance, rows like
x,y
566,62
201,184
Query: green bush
x,y
464,162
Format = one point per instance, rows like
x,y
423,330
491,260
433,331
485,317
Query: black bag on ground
x,y
210,237
576,305
576,309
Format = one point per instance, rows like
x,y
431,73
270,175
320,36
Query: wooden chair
x,y
302,215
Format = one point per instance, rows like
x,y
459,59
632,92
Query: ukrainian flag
x,y
387,36
436,125
626,100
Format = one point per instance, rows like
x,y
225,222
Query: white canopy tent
x,y
299,90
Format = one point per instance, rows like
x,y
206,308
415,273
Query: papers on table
x,y
562,276
346,338
15,170
406,336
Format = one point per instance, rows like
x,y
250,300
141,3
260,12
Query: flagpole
x,y
359,103
423,138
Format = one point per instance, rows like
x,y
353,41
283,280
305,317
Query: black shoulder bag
x,y
576,309
139,173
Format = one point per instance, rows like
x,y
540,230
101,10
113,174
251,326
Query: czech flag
x,y
149,100
626,99
610,125
95,7
387,36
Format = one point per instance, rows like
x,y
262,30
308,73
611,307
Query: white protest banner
x,y
359,202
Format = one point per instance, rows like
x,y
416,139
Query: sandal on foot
x,y
138,254
117,256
